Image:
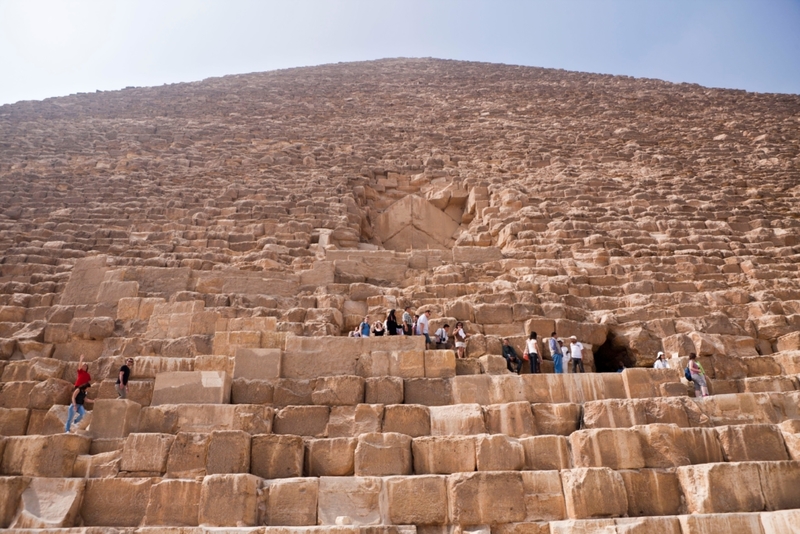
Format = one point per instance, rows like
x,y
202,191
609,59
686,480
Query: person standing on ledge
x,y
122,380
555,352
364,327
423,327
576,349
698,376
533,352
391,323
408,321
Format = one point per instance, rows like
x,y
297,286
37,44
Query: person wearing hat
x,y
661,362
576,350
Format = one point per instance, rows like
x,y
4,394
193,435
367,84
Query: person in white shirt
x,y
661,362
422,324
461,340
441,338
576,350
533,352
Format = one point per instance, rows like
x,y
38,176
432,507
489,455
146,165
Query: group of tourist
x,y
83,383
560,353
415,325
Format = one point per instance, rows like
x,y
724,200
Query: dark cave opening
x,y
610,356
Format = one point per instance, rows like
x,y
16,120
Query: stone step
x,y
580,498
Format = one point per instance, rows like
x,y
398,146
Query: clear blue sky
x,y
58,47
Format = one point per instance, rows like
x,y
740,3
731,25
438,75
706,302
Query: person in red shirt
x,y
83,373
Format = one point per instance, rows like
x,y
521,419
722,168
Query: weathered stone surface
x,y
513,419
230,499
49,503
652,492
721,488
383,390
292,502
302,420
410,419
486,498
115,502
357,498
275,456
330,457
443,454
11,488
228,452
257,364
42,456
498,453
544,497
192,387
173,503
146,454
742,443
457,419
383,454
546,452
594,492
618,448
417,500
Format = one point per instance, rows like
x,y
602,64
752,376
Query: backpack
x,y
687,374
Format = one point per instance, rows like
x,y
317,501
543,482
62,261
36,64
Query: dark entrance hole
x,y
611,355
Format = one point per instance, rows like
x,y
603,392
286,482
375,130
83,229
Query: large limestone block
x,y
36,369
414,223
42,456
742,443
356,498
652,492
665,410
400,363
614,413
457,419
546,453
383,454
302,421
351,421
645,382
291,392
171,419
512,419
84,281
594,492
737,409
49,392
443,455
146,454
721,488
257,364
416,500
544,497
383,390
410,419
338,391
275,456
561,419
781,522
228,452
14,421
523,528
440,364
192,387
330,457
16,394
187,455
663,445
245,391
50,503
428,391
473,389
474,255
292,502
715,523
623,525
306,365
498,453
98,465
11,489
616,448
702,445
92,327
173,503
115,502
227,500
486,498
779,483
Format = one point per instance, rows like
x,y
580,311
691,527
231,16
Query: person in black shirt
x,y
122,381
76,406
513,361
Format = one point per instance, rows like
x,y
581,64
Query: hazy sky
x,y
57,47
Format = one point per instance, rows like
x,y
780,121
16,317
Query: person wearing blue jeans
x,y
555,352
76,406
